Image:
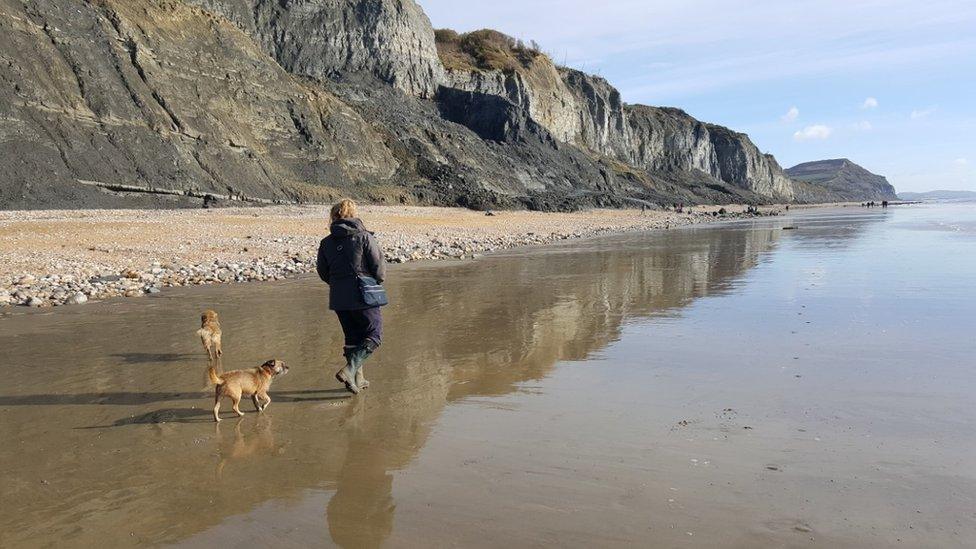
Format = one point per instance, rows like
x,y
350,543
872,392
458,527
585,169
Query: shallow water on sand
x,y
726,386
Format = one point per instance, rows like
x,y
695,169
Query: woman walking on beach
x,y
351,263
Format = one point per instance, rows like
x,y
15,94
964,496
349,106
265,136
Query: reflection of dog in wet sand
x,y
254,383
209,333
259,442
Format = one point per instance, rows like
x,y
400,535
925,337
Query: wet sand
x,y
722,386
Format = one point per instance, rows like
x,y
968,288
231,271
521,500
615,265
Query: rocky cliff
x,y
844,180
331,39
586,111
163,102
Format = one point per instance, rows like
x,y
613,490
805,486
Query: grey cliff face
x,y
538,92
586,111
327,39
669,140
740,163
146,103
602,123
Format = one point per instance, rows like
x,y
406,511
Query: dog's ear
x,y
269,366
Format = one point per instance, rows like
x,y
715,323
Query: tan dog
x,y
254,383
209,333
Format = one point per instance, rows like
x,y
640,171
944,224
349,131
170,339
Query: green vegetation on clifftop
x,y
484,49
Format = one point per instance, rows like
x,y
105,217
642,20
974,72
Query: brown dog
x,y
254,383
209,333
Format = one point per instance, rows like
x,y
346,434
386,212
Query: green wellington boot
x,y
348,378
361,380
357,360
347,374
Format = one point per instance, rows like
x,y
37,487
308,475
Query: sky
x,y
890,84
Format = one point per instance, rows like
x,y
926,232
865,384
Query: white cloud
x,y
790,115
862,126
960,162
817,131
922,113
870,103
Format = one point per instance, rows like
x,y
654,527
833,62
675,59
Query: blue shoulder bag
x,y
374,294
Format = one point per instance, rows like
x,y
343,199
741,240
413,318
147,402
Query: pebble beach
x,y
62,257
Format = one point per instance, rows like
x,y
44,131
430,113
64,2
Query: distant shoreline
x,y
58,257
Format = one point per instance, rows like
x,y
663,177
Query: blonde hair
x,y
344,209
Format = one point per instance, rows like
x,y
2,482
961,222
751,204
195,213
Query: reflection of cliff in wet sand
x,y
148,467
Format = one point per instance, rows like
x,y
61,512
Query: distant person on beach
x,y
350,261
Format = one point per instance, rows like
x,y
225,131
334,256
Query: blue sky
x,y
889,84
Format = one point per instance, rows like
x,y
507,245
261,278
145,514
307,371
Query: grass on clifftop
x,y
484,49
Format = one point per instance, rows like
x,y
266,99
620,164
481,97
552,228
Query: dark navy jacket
x,y
349,251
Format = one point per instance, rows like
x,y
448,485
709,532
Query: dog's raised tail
x,y
213,375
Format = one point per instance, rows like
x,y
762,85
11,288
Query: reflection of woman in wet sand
x,y
360,513
348,253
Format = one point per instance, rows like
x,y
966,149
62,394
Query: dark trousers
x,y
362,328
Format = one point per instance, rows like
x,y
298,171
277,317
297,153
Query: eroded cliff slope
x,y
162,95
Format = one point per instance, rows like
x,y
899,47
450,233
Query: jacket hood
x,y
347,227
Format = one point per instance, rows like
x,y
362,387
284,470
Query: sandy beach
x,y
61,257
